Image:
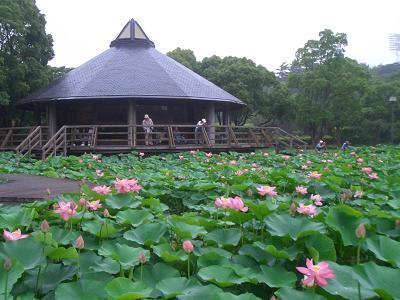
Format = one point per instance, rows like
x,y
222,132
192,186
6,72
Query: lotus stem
x,y
6,286
130,273
37,281
189,267
141,272
79,265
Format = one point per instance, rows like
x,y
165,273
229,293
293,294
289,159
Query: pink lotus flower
x,y
99,173
286,157
267,190
80,161
309,162
93,205
237,204
233,162
360,160
318,201
254,165
106,213
102,189
353,154
127,185
366,170
329,161
310,210
209,154
316,274
193,152
187,246
305,167
14,236
82,202
301,190
358,194
222,202
141,154
380,160
66,210
239,173
265,154
181,157
373,176
314,175
95,157
79,243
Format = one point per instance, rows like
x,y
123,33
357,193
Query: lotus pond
x,y
207,226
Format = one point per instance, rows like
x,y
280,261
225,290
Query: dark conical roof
x,y
131,68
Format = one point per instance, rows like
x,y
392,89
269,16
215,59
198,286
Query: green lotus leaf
x,y
83,289
153,274
124,289
146,234
172,287
276,276
126,200
345,220
127,256
14,274
221,276
224,237
385,249
99,228
18,250
167,254
295,227
345,285
211,258
61,253
287,293
187,231
321,247
133,217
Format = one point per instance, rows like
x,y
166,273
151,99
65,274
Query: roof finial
x,y
132,33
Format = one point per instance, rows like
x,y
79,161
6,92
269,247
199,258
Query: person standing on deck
x,y
148,128
198,131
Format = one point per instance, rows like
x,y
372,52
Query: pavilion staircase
x,y
32,144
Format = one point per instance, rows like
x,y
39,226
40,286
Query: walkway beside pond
x,y
18,188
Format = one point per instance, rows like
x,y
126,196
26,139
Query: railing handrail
x,y
27,140
288,134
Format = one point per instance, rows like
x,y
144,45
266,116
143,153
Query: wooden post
x,y
52,119
227,123
131,123
211,122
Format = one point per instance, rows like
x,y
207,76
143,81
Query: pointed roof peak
x,y
132,33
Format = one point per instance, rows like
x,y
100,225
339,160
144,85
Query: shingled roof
x,y
131,68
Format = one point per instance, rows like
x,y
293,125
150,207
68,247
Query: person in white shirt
x,y
198,131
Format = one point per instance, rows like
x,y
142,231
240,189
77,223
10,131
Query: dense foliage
x,y
204,226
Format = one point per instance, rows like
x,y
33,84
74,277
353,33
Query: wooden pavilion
x,y
99,107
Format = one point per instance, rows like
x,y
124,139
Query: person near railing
x,y
148,128
198,131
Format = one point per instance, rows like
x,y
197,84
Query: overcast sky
x,y
268,32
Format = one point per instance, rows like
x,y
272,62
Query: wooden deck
x,y
20,188
79,139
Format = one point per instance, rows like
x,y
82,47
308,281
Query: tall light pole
x,y
392,100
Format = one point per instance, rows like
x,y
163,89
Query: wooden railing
x,y
34,141
120,138
11,137
55,143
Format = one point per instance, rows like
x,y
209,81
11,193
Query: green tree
x,y
25,50
186,57
328,87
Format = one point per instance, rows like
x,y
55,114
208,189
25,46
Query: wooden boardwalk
x,y
20,188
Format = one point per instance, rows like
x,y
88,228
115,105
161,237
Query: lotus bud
x,y
142,258
361,231
397,222
80,243
106,214
187,246
7,264
249,193
44,226
82,202
273,297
